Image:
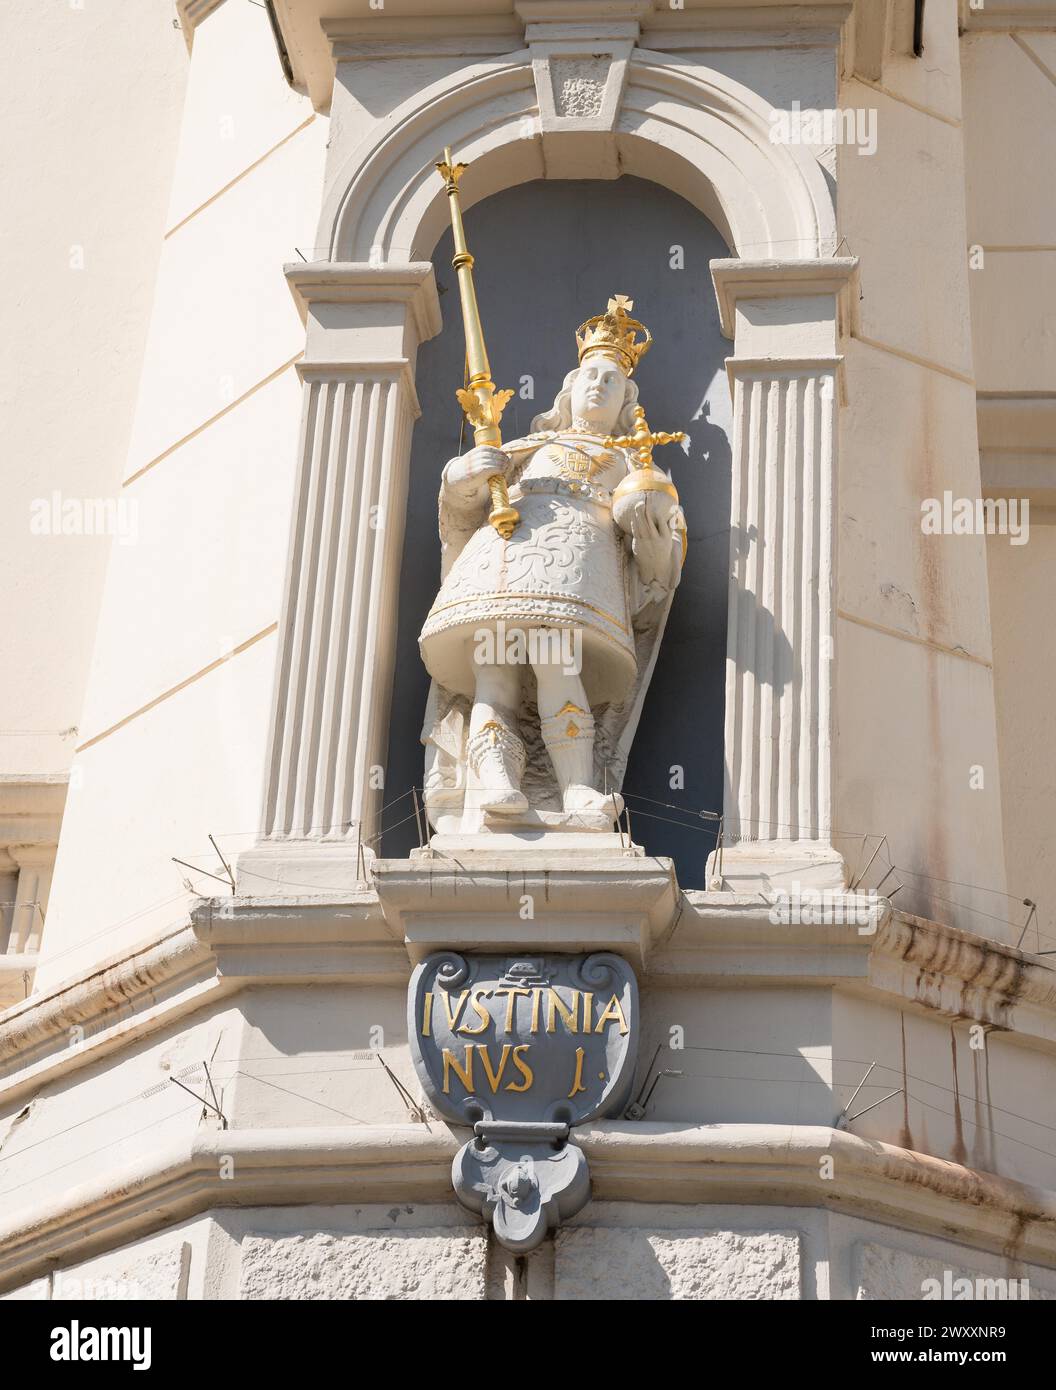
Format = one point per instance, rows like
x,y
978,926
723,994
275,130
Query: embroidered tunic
x,y
566,566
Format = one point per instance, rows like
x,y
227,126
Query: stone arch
x,y
698,132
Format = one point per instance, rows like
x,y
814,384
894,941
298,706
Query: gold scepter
x,y
483,405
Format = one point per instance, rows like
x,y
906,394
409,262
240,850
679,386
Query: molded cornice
x,y
320,33
690,938
640,1162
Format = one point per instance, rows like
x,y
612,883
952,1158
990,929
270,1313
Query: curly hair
x,y
559,416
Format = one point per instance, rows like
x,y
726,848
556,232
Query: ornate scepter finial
x,y
482,404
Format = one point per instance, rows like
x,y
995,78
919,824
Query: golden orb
x,y
644,480
634,487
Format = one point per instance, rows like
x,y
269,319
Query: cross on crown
x,y
614,333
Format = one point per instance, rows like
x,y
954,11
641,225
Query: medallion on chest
x,y
579,460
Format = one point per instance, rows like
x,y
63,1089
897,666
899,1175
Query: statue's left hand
x,y
657,549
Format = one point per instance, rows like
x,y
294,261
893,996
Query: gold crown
x,y
613,333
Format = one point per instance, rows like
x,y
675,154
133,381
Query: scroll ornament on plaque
x,y
522,1049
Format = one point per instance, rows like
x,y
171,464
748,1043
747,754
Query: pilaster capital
x,y
737,281
359,282
399,369
748,369
31,810
34,856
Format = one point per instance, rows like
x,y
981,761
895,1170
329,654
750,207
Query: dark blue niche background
x,y
548,255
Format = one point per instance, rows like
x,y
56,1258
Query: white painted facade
x,y
208,396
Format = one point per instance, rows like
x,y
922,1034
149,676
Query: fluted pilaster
x,y
324,784
780,629
336,657
781,658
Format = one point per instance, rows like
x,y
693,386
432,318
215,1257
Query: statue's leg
x,y
567,726
496,750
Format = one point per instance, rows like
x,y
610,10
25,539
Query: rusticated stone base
x,y
639,1263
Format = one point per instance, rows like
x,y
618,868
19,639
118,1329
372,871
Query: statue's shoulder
x,y
529,441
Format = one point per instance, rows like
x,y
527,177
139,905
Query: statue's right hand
x,y
470,472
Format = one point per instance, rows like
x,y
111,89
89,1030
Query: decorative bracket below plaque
x,y
523,1049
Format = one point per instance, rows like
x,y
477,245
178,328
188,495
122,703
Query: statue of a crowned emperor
x,y
543,636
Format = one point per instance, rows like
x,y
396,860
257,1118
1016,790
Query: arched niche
x,y
372,308
596,239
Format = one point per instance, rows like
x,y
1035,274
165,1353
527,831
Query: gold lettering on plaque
x,y
464,1073
577,1080
568,1015
452,1017
480,1010
613,1014
523,1067
511,1001
494,1077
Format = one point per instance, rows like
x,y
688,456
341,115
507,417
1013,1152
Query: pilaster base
x,y
776,865
295,868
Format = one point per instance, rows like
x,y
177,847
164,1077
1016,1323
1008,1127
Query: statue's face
x,y
598,393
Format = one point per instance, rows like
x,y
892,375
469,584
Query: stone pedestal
x,y
535,901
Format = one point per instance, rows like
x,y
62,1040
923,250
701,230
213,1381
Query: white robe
x,y
565,566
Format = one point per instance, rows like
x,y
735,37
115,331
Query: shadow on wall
x,y
548,255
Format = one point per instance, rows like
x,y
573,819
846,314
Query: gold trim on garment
x,y
507,593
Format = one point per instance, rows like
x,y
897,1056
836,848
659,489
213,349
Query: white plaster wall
x,y
205,574
90,106
1009,83
312,1061
933,80
237,111
224,320
92,1127
914,697
749,1055
955,1099
1010,105
797,1056
914,724
153,789
174,728
1022,580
